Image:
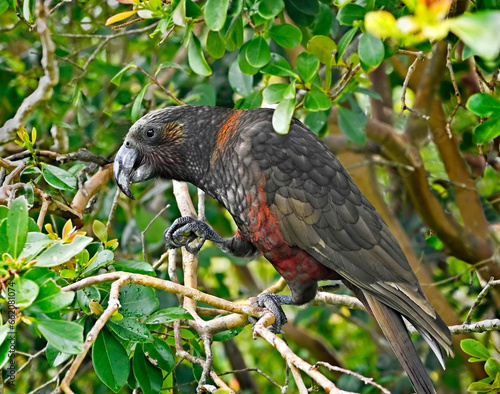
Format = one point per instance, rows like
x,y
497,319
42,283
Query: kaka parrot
x,y
295,204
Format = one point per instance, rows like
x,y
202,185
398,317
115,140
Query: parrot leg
x,y
191,233
273,302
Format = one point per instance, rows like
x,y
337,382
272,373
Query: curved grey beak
x,y
126,169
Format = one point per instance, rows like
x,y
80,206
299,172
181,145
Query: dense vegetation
x,y
404,92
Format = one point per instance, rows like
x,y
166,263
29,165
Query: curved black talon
x,y
190,233
273,302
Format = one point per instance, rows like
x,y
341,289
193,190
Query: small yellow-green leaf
x,y
322,47
100,230
484,104
283,115
119,17
381,24
487,131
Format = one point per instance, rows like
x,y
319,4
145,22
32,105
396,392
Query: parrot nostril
x,y
127,144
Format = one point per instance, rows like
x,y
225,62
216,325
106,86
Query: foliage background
x,y
347,69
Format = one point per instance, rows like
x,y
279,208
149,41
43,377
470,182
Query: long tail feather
x,y
396,333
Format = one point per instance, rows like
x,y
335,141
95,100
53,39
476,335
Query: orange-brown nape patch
x,y
172,132
225,132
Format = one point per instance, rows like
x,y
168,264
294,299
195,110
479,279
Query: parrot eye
x,y
150,133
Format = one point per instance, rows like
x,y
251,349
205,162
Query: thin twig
x,y
491,283
419,56
30,359
158,83
364,379
112,211
143,233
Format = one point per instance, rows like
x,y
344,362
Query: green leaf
x,y
110,360
65,336
100,260
4,6
283,115
100,231
279,66
216,13
345,41
487,131
130,330
258,53
179,14
160,354
55,357
352,125
268,9
149,377
350,14
216,47
60,253
479,387
35,243
322,47
206,95
51,298
286,35
24,291
136,267
117,79
253,100
316,100
5,352
307,66
4,241
316,121
87,295
308,7
137,301
492,367
484,104
475,349
274,93
371,50
59,178
243,63
39,275
227,335
168,315
240,82
196,59
17,226
479,31
135,114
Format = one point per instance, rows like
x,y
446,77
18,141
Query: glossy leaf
x,y
274,93
87,295
479,31
196,59
283,115
117,79
136,267
308,7
286,35
476,349
110,360
484,104
216,47
179,14
227,335
268,9
160,354
351,13
371,50
130,330
253,100
168,315
240,82
279,66
345,41
119,17
137,301
322,47
100,260
258,53
65,336
100,231
148,376
51,299
316,100
35,243
307,66
59,178
216,13
352,125
487,131
55,357
243,62
60,253
25,291
17,226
